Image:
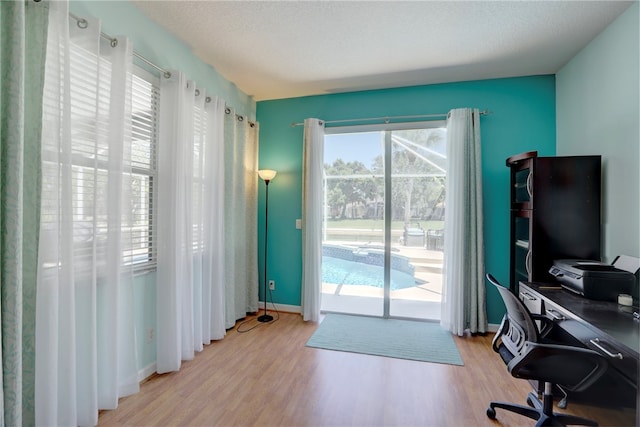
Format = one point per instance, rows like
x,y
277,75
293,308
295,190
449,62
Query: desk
x,y
605,327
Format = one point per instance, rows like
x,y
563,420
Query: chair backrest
x,y
519,326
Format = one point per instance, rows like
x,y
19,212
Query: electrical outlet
x,y
150,335
272,285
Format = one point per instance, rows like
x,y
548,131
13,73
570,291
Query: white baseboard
x,y
146,372
281,307
491,327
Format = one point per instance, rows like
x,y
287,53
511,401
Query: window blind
x,y
82,157
145,108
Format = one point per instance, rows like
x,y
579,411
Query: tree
x,y
418,169
352,191
416,152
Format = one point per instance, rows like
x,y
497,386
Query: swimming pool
x,y
363,266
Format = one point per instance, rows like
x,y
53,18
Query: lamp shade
x,y
267,174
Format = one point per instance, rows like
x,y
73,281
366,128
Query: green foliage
x,y
418,161
373,224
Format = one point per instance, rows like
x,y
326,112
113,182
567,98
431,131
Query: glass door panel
x,y
522,185
353,230
418,173
522,250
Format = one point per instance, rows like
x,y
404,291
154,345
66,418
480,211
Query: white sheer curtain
x,y
463,298
241,217
191,222
312,201
214,211
175,337
85,343
208,219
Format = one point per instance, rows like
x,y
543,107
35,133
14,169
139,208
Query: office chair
x,y
529,355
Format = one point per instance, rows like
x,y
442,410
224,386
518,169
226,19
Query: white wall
x,y
598,112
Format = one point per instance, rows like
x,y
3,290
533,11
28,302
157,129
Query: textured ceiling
x,y
283,49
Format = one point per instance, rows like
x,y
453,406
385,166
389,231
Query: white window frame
x,y
140,265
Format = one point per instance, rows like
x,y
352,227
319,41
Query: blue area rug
x,y
401,339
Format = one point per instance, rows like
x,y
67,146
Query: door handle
x,y
555,314
596,343
527,296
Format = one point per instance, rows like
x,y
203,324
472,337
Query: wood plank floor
x,y
267,377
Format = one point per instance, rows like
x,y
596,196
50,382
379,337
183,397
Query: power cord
x,y
274,307
242,331
275,319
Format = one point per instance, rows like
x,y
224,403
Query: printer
x,y
593,279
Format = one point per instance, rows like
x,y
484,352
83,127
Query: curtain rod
x,y
387,119
83,23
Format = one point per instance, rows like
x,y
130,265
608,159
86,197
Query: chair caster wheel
x,y
491,413
562,404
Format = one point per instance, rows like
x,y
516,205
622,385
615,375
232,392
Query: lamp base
x,y
265,318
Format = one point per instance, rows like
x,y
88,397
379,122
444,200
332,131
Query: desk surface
x,y
610,318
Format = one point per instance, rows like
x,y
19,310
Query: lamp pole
x,y
267,176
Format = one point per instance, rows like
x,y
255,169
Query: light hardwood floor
x,y
268,377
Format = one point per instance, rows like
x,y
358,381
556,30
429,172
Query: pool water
x,y
343,272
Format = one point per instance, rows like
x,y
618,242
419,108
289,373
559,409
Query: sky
x,y
363,147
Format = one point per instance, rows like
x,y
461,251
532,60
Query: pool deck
x,y
421,301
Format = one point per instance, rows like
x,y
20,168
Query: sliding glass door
x,y
418,162
353,244
384,220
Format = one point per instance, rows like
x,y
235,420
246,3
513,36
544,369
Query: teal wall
x,y
163,49
598,112
144,296
522,119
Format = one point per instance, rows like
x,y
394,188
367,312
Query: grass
x,y
370,230
378,224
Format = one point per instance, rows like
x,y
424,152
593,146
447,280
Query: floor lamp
x,y
267,175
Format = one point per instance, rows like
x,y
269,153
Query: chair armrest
x,y
546,324
575,368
